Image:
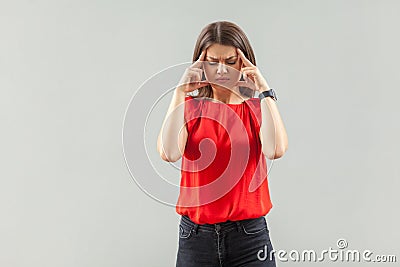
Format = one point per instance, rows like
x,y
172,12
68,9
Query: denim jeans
x,y
228,244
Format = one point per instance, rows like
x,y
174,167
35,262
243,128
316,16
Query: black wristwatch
x,y
268,93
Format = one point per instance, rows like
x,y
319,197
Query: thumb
x,y
246,84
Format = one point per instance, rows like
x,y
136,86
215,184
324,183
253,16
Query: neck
x,y
222,94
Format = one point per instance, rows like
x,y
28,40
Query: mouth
x,y
222,79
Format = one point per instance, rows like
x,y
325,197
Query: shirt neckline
x,y
229,104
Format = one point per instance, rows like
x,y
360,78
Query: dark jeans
x,y
231,243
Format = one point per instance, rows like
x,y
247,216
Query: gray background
x,y
68,70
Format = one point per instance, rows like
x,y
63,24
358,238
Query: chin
x,y
223,87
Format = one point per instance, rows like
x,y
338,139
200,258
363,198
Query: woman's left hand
x,y
251,75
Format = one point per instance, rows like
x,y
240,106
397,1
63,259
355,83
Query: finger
x,y
250,85
199,71
189,77
245,61
199,63
247,83
195,76
202,56
193,86
248,74
249,68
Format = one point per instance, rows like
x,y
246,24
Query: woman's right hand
x,y
191,79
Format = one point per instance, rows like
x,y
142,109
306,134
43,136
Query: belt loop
x,y
195,227
238,224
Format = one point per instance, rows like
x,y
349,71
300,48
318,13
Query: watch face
x,y
273,94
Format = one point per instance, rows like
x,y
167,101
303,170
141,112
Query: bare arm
x,y
273,134
173,134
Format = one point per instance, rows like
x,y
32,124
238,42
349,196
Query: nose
x,y
222,68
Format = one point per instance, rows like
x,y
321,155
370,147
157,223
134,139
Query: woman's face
x,y
222,66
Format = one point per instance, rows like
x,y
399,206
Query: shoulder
x,y
253,99
192,105
254,106
253,102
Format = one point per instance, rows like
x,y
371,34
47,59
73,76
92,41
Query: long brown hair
x,y
223,33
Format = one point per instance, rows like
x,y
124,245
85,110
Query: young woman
x,y
223,134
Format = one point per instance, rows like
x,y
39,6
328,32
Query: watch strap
x,y
268,93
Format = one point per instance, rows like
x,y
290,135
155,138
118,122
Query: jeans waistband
x,y
223,226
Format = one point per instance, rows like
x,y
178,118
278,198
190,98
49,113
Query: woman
x,y
223,135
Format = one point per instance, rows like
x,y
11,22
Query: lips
x,y
222,79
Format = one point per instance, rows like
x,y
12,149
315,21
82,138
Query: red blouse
x,y
223,171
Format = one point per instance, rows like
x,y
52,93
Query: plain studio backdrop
x,y
69,69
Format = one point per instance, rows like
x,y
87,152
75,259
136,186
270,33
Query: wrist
x,y
180,90
269,93
262,89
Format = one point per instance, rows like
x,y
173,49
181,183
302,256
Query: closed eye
x,y
230,63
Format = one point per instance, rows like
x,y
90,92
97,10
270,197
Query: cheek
x,y
210,71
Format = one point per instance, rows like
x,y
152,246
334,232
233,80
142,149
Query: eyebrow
x,y
225,58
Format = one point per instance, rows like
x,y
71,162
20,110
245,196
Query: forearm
x,y
168,138
272,132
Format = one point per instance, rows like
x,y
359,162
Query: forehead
x,y
221,51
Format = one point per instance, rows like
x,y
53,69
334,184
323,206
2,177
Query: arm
x,y
273,135
173,134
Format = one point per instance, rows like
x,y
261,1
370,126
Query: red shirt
x,y
223,171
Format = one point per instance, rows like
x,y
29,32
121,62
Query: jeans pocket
x,y
253,227
185,231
